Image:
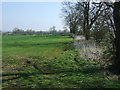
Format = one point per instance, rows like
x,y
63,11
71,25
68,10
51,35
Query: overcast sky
x,y
31,15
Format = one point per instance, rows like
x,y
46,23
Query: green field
x,y
49,61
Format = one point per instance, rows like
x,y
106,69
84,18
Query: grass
x,y
0,46
49,62
40,45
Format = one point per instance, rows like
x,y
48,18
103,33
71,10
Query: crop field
x,y
49,61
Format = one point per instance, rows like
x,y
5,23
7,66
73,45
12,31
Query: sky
x,y
31,15
0,16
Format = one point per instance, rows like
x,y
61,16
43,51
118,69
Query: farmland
x,y
49,61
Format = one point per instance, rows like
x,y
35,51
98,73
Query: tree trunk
x,y
86,21
87,33
116,16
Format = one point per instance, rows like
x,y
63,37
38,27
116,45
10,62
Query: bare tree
x,y
116,16
82,15
71,16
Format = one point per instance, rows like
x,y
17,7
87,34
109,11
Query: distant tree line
x,y
17,31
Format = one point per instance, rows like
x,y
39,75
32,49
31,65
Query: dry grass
x,y
89,50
